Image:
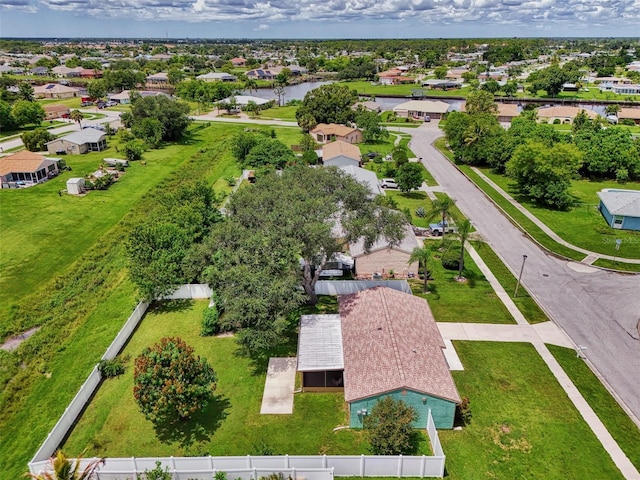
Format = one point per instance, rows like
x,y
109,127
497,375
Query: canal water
x,y
297,92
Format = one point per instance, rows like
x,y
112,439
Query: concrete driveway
x,y
278,388
599,310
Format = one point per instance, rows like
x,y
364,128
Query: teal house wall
x,y
443,411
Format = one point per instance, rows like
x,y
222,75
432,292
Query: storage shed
x,y
75,186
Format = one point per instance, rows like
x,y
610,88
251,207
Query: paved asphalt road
x,y
599,310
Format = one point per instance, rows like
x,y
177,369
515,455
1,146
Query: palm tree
x,y
250,84
77,116
421,255
442,206
65,469
464,230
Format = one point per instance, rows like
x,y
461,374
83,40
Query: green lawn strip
x,y
412,201
583,225
112,425
287,113
523,424
615,265
527,305
519,219
473,301
618,423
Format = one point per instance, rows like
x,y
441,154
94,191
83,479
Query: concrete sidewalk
x,y
278,388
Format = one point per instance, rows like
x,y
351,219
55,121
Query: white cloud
x,y
529,13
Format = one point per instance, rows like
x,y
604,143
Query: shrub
x,y
210,324
464,411
231,181
158,473
451,260
389,427
111,368
420,212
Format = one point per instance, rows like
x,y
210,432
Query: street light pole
x,y
524,259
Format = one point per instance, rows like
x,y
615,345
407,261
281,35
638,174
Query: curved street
x,y
599,310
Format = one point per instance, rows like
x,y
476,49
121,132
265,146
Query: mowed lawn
x,y
112,425
583,225
472,301
523,425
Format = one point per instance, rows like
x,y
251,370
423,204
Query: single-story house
x,y
368,105
54,90
422,108
56,110
626,89
384,343
620,208
563,113
90,73
27,168
506,111
436,84
366,177
381,259
66,72
244,100
630,113
328,132
40,71
158,79
238,62
217,77
86,140
261,74
124,97
339,154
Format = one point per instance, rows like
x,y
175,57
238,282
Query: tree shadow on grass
x,y
199,428
160,307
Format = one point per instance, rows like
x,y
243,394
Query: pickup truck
x,y
439,228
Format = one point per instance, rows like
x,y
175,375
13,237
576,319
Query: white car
x,y
388,183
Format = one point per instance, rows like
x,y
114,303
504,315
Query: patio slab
x,y
278,388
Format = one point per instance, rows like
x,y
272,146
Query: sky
x,y
319,18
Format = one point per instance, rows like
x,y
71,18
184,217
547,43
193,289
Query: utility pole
x,y
524,259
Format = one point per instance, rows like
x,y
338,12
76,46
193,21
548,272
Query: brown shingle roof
x,y
391,342
337,148
23,162
633,113
333,129
564,111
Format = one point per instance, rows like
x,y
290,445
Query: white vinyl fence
x,y
73,410
319,467
345,287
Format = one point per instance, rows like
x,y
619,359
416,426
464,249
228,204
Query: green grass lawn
x,y
523,424
287,113
583,225
527,305
618,423
231,425
473,301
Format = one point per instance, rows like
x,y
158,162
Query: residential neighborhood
x,y
366,258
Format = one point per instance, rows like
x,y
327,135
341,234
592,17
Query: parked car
x,y
101,104
86,104
427,118
388,183
111,103
439,228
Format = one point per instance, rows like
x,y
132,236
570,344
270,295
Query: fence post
x,y
135,468
422,466
362,465
324,461
399,465
286,461
249,461
173,467
255,474
293,474
212,466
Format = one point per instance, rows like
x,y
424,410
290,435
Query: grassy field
x,y
618,423
473,301
583,225
81,307
527,305
231,425
523,424
287,113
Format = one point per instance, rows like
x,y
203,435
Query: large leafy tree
x,y
409,176
36,140
64,469
25,91
170,382
390,427
609,152
269,152
369,123
481,101
7,122
545,173
328,104
173,115
25,112
279,234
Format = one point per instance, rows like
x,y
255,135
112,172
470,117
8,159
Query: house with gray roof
x,y
217,77
620,208
365,177
83,141
384,343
